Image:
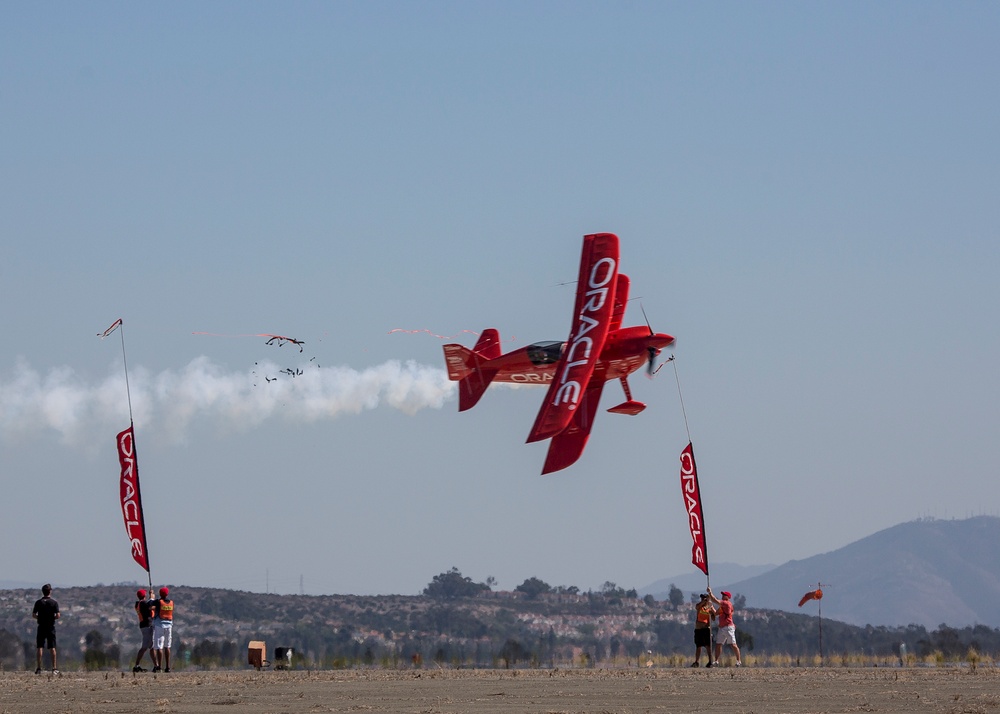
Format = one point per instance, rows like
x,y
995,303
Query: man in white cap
x,y
163,628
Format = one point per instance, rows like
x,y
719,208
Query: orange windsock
x,y
816,594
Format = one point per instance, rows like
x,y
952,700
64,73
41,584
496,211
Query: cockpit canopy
x,y
545,352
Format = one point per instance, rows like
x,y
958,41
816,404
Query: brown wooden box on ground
x,y
256,653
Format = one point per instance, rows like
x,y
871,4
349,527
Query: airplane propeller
x,y
651,364
654,351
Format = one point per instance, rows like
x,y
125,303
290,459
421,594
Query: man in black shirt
x,y
46,611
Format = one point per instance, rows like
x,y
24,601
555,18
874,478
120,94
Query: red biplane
x,y
598,349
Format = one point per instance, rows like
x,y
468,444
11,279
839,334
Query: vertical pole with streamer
x,y
688,466
119,325
819,586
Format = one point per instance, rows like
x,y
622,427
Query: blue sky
x,y
805,195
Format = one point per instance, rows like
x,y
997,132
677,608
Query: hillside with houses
x,y
468,625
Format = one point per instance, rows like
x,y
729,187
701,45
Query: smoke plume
x,y
170,402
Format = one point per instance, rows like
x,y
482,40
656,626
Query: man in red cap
x,y
727,628
163,627
144,611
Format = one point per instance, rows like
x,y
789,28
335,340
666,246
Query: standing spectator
x,y
144,611
727,628
704,613
163,626
46,612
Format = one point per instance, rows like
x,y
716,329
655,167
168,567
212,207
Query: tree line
x,y
458,622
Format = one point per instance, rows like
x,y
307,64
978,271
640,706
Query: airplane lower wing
x,y
592,319
566,446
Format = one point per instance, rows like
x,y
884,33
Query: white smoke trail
x,y
169,402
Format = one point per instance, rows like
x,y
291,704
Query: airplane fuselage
x,y
625,351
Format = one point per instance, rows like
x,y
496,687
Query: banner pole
x,y
142,517
119,324
128,391
701,505
681,397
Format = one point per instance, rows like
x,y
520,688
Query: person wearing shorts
x,y
144,611
727,628
163,627
46,612
704,612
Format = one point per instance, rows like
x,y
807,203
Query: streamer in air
x,y
115,326
279,340
432,334
816,594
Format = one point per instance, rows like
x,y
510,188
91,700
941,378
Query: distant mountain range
x,y
926,572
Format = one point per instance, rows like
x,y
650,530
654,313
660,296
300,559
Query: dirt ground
x,y
747,690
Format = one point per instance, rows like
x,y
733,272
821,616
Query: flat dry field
x,y
764,690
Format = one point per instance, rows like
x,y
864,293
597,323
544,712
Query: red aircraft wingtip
x,y
557,461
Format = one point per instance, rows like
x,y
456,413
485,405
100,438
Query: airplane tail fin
x,y
488,345
470,367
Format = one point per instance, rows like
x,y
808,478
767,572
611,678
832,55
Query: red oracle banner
x,y
692,504
130,500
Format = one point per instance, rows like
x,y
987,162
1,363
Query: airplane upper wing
x,y
621,301
592,318
566,446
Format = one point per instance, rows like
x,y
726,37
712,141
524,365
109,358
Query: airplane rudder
x,y
488,345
